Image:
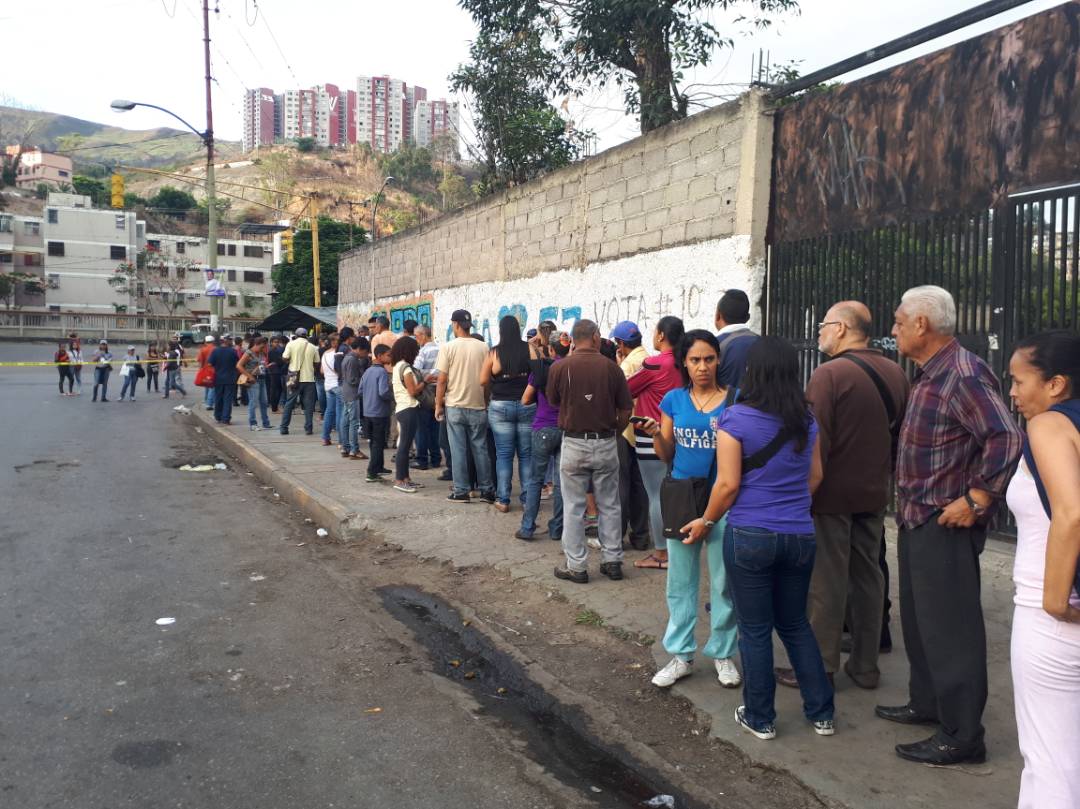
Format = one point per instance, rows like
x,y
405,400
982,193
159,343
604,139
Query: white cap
x,y
208,339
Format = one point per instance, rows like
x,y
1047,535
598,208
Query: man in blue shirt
x,y
732,315
223,360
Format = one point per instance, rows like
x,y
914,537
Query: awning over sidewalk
x,y
294,317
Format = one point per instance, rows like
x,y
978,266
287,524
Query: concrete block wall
x,y
700,181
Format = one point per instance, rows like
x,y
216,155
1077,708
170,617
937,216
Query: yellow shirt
x,y
630,366
302,357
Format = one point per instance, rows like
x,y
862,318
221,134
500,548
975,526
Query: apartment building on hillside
x,y
244,266
37,167
83,248
382,112
22,252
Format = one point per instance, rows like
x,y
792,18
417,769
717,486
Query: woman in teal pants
x,y
685,439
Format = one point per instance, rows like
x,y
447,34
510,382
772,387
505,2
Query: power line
x,y
243,39
266,24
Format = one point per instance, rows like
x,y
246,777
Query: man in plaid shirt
x,y
959,447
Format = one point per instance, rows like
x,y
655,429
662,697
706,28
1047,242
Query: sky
x,y
151,51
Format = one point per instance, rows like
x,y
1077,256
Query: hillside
x,y
277,182
89,143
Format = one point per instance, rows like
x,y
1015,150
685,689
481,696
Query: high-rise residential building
x,y
382,112
259,118
433,120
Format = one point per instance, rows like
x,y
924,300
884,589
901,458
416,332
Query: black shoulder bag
x,y
883,392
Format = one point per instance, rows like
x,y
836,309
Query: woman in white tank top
x,y
1045,370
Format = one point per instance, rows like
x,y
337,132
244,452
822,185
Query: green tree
x,y
455,191
508,73
410,165
293,281
305,144
172,199
642,46
100,196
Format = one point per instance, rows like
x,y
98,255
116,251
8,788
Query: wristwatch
x,y
979,510
709,523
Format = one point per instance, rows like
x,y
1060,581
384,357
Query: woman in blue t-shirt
x,y
768,465
685,439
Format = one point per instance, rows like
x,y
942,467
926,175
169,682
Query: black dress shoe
x,y
934,751
613,570
904,714
576,576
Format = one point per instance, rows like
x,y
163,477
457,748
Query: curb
x,y
327,513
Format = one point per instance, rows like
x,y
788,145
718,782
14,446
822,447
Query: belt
x,y
591,436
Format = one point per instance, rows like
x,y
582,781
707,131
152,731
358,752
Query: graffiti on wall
x,y
422,310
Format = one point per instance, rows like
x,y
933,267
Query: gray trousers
x,y
595,460
847,581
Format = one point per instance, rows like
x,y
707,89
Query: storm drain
x,y
555,735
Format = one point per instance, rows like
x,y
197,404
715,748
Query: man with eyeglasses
x,y
858,398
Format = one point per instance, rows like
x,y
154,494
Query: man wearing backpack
x,y
858,400
732,315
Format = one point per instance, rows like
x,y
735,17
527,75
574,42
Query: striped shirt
x,y
957,435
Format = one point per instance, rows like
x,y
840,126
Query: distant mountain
x,y
89,143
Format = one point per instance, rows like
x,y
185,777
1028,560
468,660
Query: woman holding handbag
x,y
408,385
129,371
685,440
252,370
1044,495
768,466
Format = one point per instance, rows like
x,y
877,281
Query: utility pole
x,y
217,305
315,251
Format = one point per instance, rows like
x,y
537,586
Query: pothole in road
x,y
555,735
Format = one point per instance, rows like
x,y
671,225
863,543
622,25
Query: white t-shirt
x,y
401,394
330,376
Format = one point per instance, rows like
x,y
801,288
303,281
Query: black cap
x,y
462,316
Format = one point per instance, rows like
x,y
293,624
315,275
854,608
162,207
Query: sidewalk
x,y
856,768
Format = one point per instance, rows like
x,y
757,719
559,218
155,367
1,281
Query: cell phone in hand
x,y
639,420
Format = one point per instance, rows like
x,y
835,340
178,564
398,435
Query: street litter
x,y
308,520
165,621
323,532
182,409
470,675
596,789
198,430
661,802
300,544
203,467
373,710
257,577
220,466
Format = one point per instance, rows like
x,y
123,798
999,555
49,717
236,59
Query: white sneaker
x,y
824,727
765,734
594,543
727,673
674,671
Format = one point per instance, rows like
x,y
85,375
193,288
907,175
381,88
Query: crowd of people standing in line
x,y
713,442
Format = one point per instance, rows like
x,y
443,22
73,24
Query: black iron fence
x,y
1013,271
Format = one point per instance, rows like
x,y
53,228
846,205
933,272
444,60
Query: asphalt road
x,y
264,691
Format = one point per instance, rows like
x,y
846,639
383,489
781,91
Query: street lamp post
x,y
374,209
207,137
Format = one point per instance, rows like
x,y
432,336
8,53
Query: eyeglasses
x,y
821,326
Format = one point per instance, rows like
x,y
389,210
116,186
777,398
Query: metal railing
x,y
57,325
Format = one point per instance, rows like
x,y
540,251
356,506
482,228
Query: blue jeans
x,y
224,396
546,446
427,439
304,395
769,573
330,414
173,382
131,382
467,428
511,423
349,425
257,399
208,395
320,395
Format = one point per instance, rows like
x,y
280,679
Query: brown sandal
x,y
651,562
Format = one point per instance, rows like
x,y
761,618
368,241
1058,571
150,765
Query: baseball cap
x,y
208,339
301,332
626,331
530,333
131,348
461,316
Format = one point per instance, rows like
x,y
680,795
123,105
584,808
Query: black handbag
x,y
426,398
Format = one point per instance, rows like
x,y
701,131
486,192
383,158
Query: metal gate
x,y
1013,271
